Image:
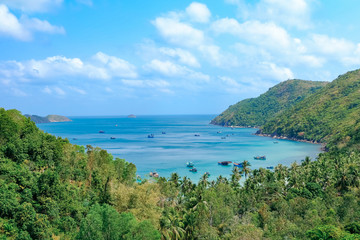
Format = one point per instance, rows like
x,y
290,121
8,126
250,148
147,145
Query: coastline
x,y
323,145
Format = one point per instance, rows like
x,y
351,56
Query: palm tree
x,y
171,225
245,170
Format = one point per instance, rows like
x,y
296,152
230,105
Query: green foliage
x,y
330,115
257,111
52,189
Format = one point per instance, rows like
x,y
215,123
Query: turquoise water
x,y
168,153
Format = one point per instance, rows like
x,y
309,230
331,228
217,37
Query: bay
x,y
175,143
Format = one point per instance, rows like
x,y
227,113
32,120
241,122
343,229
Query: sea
x,y
178,139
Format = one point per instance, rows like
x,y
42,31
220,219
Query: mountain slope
x,y
330,115
257,111
48,118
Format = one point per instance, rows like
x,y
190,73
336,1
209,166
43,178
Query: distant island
x,y
48,118
131,116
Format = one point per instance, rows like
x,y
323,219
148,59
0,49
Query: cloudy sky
x,y
116,57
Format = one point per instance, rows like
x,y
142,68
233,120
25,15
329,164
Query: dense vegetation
x,y
257,111
330,115
51,189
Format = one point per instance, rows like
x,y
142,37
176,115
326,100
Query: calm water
x,y
168,153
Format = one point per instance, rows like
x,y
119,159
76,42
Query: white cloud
x,y
38,25
229,81
77,90
289,12
171,69
19,93
178,33
47,90
33,5
10,25
105,67
334,46
293,13
198,12
166,67
272,71
216,57
116,67
184,57
59,91
159,85
23,28
264,34
146,83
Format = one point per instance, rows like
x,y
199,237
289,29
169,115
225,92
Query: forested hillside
x,y
257,111
50,189
330,115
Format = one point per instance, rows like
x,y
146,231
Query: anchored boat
x,y
190,164
260,157
224,163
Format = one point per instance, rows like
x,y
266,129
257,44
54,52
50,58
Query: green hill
x,y
51,189
330,115
48,118
257,111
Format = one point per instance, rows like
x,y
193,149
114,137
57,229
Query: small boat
x,y
154,174
275,142
112,137
74,138
219,132
138,179
223,137
190,164
207,174
193,170
163,132
238,165
224,163
271,167
101,131
116,125
197,135
260,157
151,136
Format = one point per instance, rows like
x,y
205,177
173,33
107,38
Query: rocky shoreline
x,y
323,145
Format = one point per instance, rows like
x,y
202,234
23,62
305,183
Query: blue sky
x,y
117,57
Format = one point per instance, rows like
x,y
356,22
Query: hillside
x,y
51,189
330,115
257,111
48,118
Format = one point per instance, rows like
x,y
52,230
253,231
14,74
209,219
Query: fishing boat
x,y
238,165
154,174
112,137
271,167
151,136
224,163
190,164
101,131
260,157
193,170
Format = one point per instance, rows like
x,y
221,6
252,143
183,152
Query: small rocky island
x,y
131,116
48,119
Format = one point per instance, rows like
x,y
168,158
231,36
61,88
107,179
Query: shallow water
x,y
168,153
